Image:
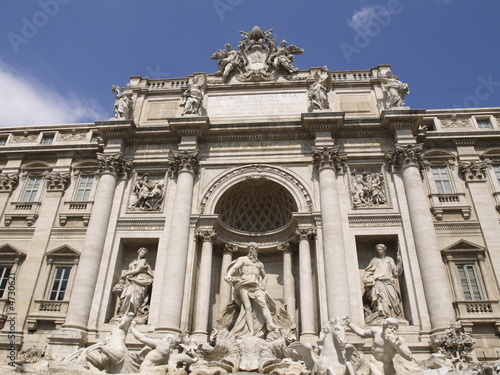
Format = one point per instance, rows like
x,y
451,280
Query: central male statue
x,y
246,274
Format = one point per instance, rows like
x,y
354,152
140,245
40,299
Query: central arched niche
x,y
256,205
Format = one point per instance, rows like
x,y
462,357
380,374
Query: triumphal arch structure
x,y
262,218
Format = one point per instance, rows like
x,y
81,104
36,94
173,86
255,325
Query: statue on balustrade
x,y
396,91
134,288
147,194
193,96
380,279
123,103
318,91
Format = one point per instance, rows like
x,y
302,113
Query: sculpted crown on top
x,y
56,181
186,161
328,157
258,58
113,163
474,170
8,182
406,155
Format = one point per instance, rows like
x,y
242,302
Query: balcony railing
x,y
22,210
78,210
451,202
47,310
477,310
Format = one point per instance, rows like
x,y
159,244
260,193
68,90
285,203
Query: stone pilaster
x,y
439,299
288,279
328,160
225,287
202,299
184,166
307,318
111,167
475,175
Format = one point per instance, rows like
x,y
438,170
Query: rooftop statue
x,y
396,91
258,58
123,103
193,96
318,90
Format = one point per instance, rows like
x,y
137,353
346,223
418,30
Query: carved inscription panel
x,y
257,104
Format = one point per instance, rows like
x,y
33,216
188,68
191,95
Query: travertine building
x,y
314,166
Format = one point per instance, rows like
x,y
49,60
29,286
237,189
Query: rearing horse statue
x,y
337,357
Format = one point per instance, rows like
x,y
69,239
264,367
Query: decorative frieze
x,y
184,161
73,136
328,157
24,138
405,156
474,171
56,181
8,182
113,163
455,122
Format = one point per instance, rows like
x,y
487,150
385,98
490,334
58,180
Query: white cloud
x,y
361,18
26,101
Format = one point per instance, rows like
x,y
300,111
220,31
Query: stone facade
x,y
315,167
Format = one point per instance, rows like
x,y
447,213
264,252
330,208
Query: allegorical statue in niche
x,y
318,91
123,103
396,90
192,97
381,284
134,288
385,345
147,194
253,311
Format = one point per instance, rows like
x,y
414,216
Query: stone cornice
x,y
116,129
189,125
322,120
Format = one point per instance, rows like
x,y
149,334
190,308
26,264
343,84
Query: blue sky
x,y
59,58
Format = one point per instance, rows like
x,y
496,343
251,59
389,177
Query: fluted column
x,y
111,166
307,318
327,160
288,279
475,174
184,165
434,278
202,301
225,287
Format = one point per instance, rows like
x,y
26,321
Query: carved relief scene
x,y
147,192
368,188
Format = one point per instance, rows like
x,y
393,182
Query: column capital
x,y
406,156
113,163
285,247
8,182
184,161
474,171
56,181
306,233
328,157
205,235
230,248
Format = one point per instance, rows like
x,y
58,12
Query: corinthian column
x,y
225,287
306,282
327,160
288,280
184,165
111,166
202,301
434,278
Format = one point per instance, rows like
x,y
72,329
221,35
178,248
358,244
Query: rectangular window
x,y
469,281
4,277
47,139
483,124
60,283
84,188
442,180
31,189
496,168
3,141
